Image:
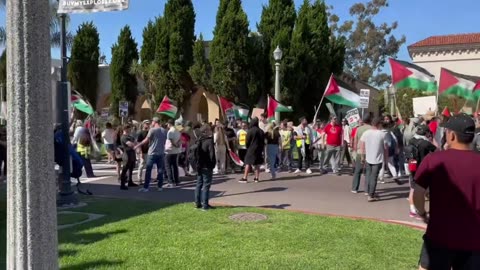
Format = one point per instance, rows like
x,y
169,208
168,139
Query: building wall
x,y
460,60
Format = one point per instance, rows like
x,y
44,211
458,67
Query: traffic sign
x,y
364,98
123,109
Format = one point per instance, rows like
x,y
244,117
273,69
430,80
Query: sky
x,y
418,19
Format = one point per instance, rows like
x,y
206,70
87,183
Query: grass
x,y
70,218
147,235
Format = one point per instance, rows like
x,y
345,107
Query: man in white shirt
x,y
108,136
172,149
345,152
373,145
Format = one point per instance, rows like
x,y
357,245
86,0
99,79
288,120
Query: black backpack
x,y
193,151
411,150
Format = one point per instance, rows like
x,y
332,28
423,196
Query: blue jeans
x,y
202,191
158,160
272,153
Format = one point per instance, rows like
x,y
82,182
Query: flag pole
x,y
321,100
478,103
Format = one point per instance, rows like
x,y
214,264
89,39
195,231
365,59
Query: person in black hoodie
x,y
206,161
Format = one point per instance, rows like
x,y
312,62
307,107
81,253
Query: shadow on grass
x,y
94,265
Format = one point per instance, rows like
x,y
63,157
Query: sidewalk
x,y
327,194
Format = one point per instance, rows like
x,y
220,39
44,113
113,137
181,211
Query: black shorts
x,y
434,257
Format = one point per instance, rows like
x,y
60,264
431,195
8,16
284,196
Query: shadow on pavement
x,y
276,206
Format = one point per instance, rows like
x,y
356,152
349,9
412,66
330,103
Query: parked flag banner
x,y
88,6
274,106
353,117
459,85
408,75
167,107
337,92
235,158
80,104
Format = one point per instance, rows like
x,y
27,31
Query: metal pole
x,y
277,89
2,120
66,196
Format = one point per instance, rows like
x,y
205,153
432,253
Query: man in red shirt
x,y
334,141
452,240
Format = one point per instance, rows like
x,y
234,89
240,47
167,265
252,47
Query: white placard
x,y
364,98
422,105
88,6
353,117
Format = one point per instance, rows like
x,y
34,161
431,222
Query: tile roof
x,y
456,39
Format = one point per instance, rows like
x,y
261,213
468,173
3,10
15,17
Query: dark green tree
x,y
222,9
147,52
368,43
83,65
276,27
258,81
124,84
200,70
229,54
315,53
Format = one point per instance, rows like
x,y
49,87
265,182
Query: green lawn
x,y
147,235
70,218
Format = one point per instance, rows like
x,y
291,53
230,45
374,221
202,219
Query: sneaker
x,y
144,190
366,193
243,181
354,191
197,206
397,180
170,186
415,215
309,171
298,171
267,170
381,181
372,199
255,180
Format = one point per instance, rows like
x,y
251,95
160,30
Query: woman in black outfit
x,y
255,145
129,158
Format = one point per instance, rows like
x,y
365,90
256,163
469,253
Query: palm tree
x,y
55,26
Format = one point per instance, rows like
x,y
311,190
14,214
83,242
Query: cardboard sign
x,y
422,105
353,118
123,109
364,98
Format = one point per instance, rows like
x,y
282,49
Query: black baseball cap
x,y
461,124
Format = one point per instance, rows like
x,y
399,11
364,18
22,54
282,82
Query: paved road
x,y
327,194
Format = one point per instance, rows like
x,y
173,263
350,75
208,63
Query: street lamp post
x,y
66,194
277,55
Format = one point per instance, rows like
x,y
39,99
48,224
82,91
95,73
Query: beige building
x,y
459,53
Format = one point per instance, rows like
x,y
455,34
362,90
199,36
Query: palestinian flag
x,y
167,107
407,75
235,158
274,106
340,94
80,104
456,84
230,108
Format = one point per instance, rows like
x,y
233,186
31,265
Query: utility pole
x,y
66,196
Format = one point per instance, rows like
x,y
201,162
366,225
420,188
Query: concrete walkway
x,y
327,194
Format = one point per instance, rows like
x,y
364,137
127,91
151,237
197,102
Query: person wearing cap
x,y
142,134
172,150
129,158
416,150
155,140
452,238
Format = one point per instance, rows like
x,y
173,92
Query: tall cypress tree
x,y
276,26
147,52
229,53
200,70
83,66
124,84
315,53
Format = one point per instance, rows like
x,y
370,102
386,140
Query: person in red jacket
x,y
334,142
